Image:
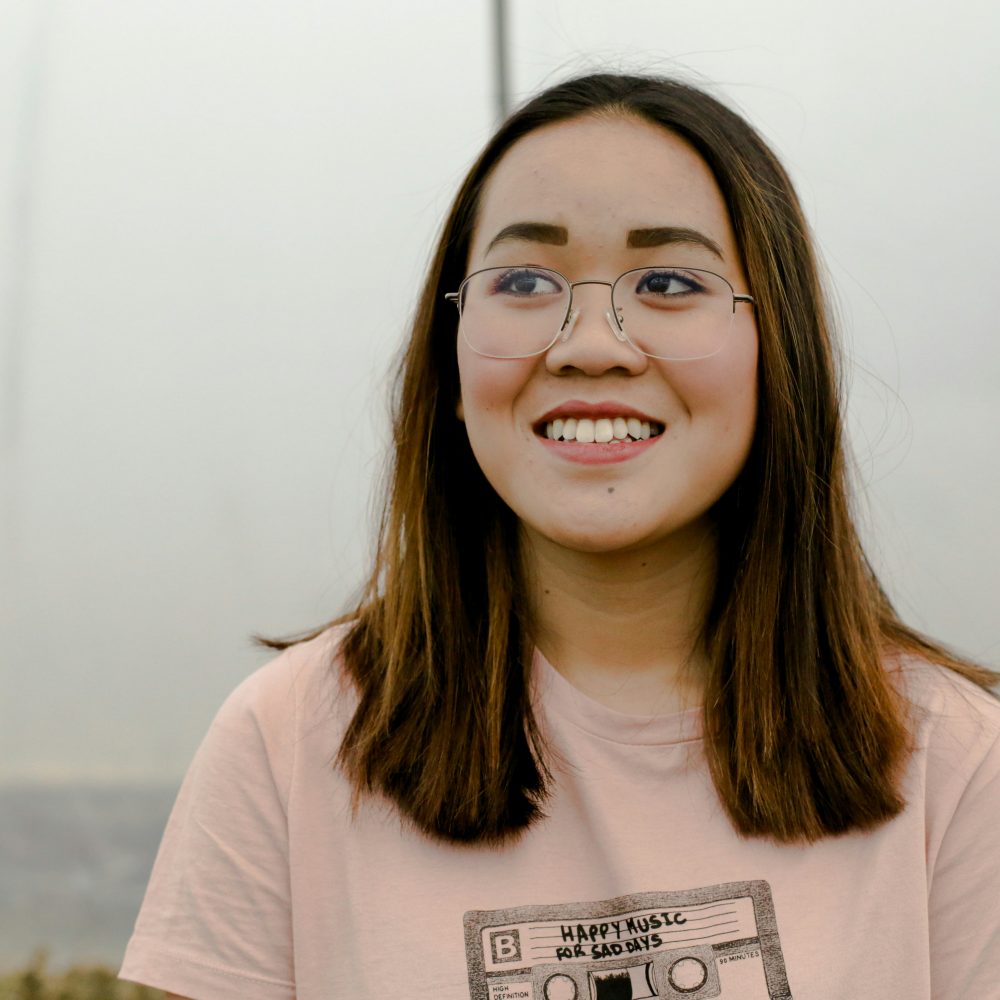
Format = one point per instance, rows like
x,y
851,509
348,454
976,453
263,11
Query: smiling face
x,y
592,198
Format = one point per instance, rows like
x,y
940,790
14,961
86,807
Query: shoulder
x,y
306,675
947,708
217,916
955,765
270,712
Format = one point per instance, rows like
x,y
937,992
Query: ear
x,y
460,410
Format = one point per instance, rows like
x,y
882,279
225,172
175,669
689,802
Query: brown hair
x,y
804,731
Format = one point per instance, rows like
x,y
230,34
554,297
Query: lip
x,y
581,408
597,454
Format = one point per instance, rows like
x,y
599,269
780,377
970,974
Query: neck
x,y
625,627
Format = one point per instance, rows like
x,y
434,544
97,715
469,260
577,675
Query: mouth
x,y
619,429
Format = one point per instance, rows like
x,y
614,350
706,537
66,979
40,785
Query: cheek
x,y
721,392
490,389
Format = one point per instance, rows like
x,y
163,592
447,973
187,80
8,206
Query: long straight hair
x,y
805,731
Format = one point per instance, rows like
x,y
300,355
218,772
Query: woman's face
x,y
600,190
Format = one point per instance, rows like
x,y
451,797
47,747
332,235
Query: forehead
x,y
600,177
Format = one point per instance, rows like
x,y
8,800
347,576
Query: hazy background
x,y
213,220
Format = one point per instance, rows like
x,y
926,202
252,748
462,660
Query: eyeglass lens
x,y
674,313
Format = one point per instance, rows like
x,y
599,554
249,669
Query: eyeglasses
x,y
671,313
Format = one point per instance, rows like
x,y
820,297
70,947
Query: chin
x,y
597,536
593,539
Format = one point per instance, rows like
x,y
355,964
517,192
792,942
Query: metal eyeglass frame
x,y
612,315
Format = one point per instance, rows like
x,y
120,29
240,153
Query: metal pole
x,y
24,171
500,58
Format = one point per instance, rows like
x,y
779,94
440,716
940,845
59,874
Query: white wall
x,y
213,219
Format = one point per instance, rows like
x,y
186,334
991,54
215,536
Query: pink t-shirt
x,y
635,885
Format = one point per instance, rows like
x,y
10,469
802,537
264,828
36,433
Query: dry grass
x,y
91,982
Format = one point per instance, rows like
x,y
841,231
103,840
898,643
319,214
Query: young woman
x,y
624,711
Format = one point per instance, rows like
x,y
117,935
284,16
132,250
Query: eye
x,y
667,283
526,282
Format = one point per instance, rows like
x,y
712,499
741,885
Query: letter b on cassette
x,y
505,945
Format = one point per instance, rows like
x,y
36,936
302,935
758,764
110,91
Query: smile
x,y
604,430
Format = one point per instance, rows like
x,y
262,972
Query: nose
x,y
591,341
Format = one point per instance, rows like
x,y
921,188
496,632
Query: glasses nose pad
x,y
615,322
567,327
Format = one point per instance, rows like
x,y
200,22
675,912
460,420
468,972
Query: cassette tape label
x,y
702,943
625,934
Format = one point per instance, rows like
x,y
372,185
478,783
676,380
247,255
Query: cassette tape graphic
x,y
698,944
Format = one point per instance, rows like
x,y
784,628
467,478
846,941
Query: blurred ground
x,y
74,862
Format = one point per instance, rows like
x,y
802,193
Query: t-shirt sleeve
x,y
964,902
215,923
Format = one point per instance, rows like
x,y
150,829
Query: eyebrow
x,y
660,236
558,236
536,232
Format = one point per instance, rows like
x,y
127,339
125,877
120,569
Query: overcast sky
x,y
213,220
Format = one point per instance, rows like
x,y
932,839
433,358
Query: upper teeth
x,y
600,431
